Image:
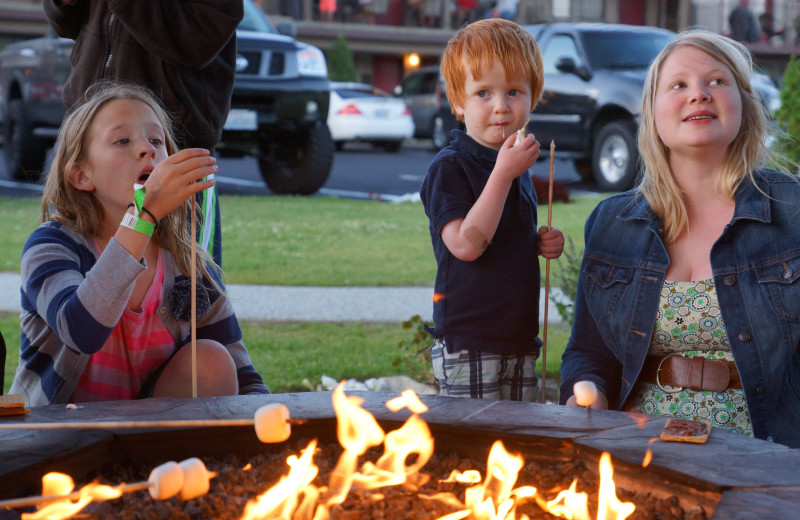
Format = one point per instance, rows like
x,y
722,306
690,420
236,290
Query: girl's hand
x,y
513,161
551,242
177,178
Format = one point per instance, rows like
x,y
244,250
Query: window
x,y
560,46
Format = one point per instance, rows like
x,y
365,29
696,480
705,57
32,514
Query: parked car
x,y
279,106
361,112
424,92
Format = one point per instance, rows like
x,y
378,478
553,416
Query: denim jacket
x,y
756,269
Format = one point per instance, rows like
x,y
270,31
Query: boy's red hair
x,y
477,46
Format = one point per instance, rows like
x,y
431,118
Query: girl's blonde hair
x,y
478,45
748,150
80,210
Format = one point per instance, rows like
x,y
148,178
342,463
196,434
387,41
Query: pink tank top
x,y
138,345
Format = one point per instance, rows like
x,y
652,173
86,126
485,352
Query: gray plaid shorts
x,y
485,375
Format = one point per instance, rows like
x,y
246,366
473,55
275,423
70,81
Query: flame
x,y
437,297
283,500
495,498
608,505
406,450
54,484
648,456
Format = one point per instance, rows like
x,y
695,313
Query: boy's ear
x,y
459,110
79,179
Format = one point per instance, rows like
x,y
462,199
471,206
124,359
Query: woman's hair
x,y
80,210
478,45
748,150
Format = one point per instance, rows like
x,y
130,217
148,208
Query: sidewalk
x,y
283,303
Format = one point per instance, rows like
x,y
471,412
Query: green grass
x,y
287,353
314,241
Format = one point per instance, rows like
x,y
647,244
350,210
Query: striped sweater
x,y
72,299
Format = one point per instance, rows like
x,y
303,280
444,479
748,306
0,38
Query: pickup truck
x,y
279,106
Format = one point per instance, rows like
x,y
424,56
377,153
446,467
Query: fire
x,y
494,497
57,484
406,450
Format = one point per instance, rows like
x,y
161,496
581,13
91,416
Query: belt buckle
x,y
658,371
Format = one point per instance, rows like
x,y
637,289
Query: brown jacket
x,y
184,50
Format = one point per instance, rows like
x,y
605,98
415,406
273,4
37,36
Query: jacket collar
x,y
750,203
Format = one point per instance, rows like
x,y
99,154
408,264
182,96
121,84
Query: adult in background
x,y
182,50
744,24
688,301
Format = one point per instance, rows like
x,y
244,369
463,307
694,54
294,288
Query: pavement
x,y
330,304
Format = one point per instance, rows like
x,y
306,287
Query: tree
x,y
341,65
788,115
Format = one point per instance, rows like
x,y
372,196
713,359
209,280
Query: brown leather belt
x,y
696,373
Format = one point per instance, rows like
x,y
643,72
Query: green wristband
x,y
137,224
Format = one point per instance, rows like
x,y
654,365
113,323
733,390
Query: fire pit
x,y
730,477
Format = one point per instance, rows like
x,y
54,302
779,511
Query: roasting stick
x,y
547,276
13,503
189,479
193,295
272,424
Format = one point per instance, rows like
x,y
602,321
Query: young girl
x,y
688,295
106,277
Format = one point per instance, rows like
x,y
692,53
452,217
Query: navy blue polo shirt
x,y
492,303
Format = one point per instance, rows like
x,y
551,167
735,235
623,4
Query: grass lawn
x,y
315,241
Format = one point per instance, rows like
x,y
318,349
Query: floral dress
x,y
689,322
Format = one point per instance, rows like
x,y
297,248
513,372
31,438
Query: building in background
x,y
391,37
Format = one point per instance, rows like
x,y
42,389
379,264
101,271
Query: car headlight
x,y
311,62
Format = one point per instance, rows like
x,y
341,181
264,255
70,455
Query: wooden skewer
x,y
193,295
36,500
547,276
100,425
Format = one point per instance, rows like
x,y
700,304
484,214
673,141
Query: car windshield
x,y
623,50
255,20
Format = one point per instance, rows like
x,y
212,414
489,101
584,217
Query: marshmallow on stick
x,y
521,133
585,393
272,423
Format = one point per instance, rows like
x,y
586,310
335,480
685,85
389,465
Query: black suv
x,y
279,106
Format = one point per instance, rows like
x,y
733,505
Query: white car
x,y
361,112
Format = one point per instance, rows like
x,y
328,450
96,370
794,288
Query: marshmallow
x,y
165,481
585,393
272,423
520,136
195,478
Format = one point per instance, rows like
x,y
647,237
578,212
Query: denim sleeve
x,y
586,357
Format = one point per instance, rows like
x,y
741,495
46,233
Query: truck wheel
x,y
304,165
25,154
615,157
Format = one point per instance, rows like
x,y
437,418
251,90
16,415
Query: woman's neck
x,y
697,174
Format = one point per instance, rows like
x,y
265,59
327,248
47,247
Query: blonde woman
x,y
689,294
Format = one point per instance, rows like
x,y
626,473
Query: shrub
x,y
788,115
341,65
567,280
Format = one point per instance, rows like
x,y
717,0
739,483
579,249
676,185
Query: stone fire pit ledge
x,y
734,477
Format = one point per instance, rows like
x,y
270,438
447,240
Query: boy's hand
x,y
551,242
177,178
513,161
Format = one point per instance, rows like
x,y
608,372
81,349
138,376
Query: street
x,y
359,172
